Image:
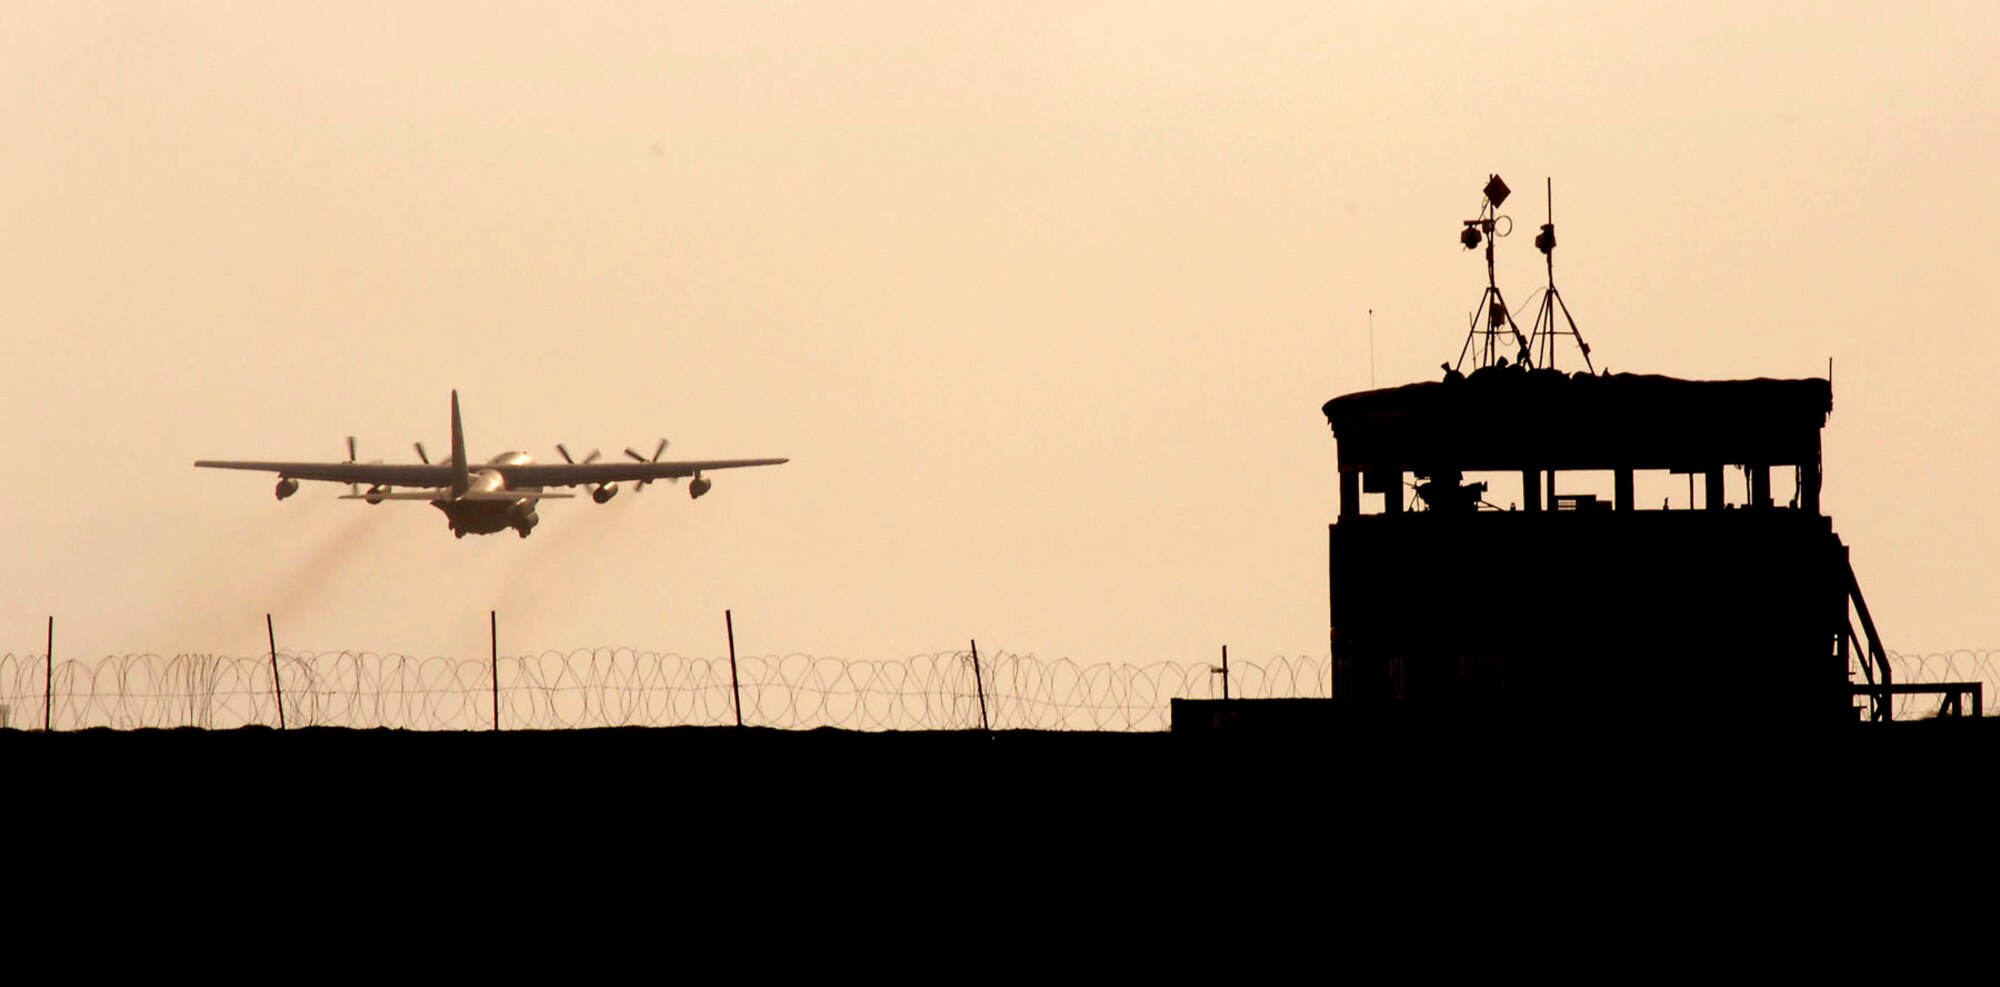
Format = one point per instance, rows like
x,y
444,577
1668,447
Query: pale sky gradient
x,y
1042,299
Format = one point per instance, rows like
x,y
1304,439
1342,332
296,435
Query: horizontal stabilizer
x,y
400,495
443,494
512,495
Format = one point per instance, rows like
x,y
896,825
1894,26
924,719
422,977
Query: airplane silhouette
x,y
500,495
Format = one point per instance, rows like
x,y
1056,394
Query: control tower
x,y
1580,546
1723,601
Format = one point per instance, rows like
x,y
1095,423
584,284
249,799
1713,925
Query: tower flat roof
x,y
1506,418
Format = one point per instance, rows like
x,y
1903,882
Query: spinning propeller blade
x,y
657,453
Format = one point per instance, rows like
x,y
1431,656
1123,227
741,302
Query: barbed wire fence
x,y
612,687
1964,665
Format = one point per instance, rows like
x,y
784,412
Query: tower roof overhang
x,y
1507,419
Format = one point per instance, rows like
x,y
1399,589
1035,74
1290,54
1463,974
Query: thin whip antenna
x,y
1371,350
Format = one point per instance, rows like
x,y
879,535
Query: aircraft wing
x,y
571,474
383,474
528,475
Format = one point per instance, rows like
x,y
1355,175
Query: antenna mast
x,y
1545,330
1487,227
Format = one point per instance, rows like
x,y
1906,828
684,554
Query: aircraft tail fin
x,y
461,476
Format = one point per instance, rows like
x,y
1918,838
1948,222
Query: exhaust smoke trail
x,y
307,575
269,565
204,600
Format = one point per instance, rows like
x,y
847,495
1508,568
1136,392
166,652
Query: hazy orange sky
x,y
1042,299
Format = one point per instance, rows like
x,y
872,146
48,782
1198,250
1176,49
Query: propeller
x,y
352,488
600,492
355,488
657,453
421,454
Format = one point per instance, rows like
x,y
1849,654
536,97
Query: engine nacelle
x,y
604,492
374,495
698,486
287,487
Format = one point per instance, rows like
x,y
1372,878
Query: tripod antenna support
x,y
1542,339
1491,319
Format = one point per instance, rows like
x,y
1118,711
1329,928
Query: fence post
x,y
980,681
277,685
49,677
735,686
493,627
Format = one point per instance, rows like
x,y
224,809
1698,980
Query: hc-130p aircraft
x,y
499,495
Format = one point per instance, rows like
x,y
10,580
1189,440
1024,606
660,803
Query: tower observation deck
x,y
1730,605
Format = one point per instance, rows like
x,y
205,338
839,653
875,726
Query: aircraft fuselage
x,y
485,517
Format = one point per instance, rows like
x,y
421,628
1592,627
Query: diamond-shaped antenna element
x,y
1496,191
